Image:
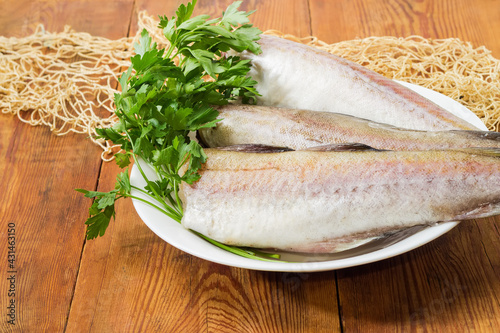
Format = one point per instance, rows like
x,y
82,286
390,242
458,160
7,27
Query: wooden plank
x,y
107,19
446,286
130,280
39,172
451,284
477,22
292,18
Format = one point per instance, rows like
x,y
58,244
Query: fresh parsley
x,y
168,93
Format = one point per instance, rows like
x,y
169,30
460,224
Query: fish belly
x,y
316,201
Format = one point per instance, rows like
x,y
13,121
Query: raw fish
x,y
294,75
300,129
319,201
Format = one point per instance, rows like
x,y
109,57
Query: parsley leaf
x,y
103,208
165,95
122,159
97,224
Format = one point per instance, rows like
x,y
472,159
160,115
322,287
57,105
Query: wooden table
x,y
132,281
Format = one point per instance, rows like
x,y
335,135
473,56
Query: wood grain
x,y
433,288
477,22
429,287
132,281
289,16
157,288
100,18
39,174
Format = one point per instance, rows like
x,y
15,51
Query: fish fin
x,y
255,148
342,147
484,135
484,210
493,152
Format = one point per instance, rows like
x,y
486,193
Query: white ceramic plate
x,y
183,239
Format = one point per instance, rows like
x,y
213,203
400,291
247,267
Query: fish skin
x,y
301,129
315,202
294,75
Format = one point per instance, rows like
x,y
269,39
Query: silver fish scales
x,y
293,75
319,202
300,129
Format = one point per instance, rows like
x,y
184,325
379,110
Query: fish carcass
x,y
321,201
300,129
294,75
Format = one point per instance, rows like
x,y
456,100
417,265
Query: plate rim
x,y
155,220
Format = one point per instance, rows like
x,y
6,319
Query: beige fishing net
x,y
67,80
450,66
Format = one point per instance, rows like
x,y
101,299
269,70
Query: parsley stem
x,y
160,173
242,252
169,52
171,210
169,214
177,198
153,193
134,156
163,100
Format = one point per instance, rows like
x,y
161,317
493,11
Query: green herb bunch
x,y
167,94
